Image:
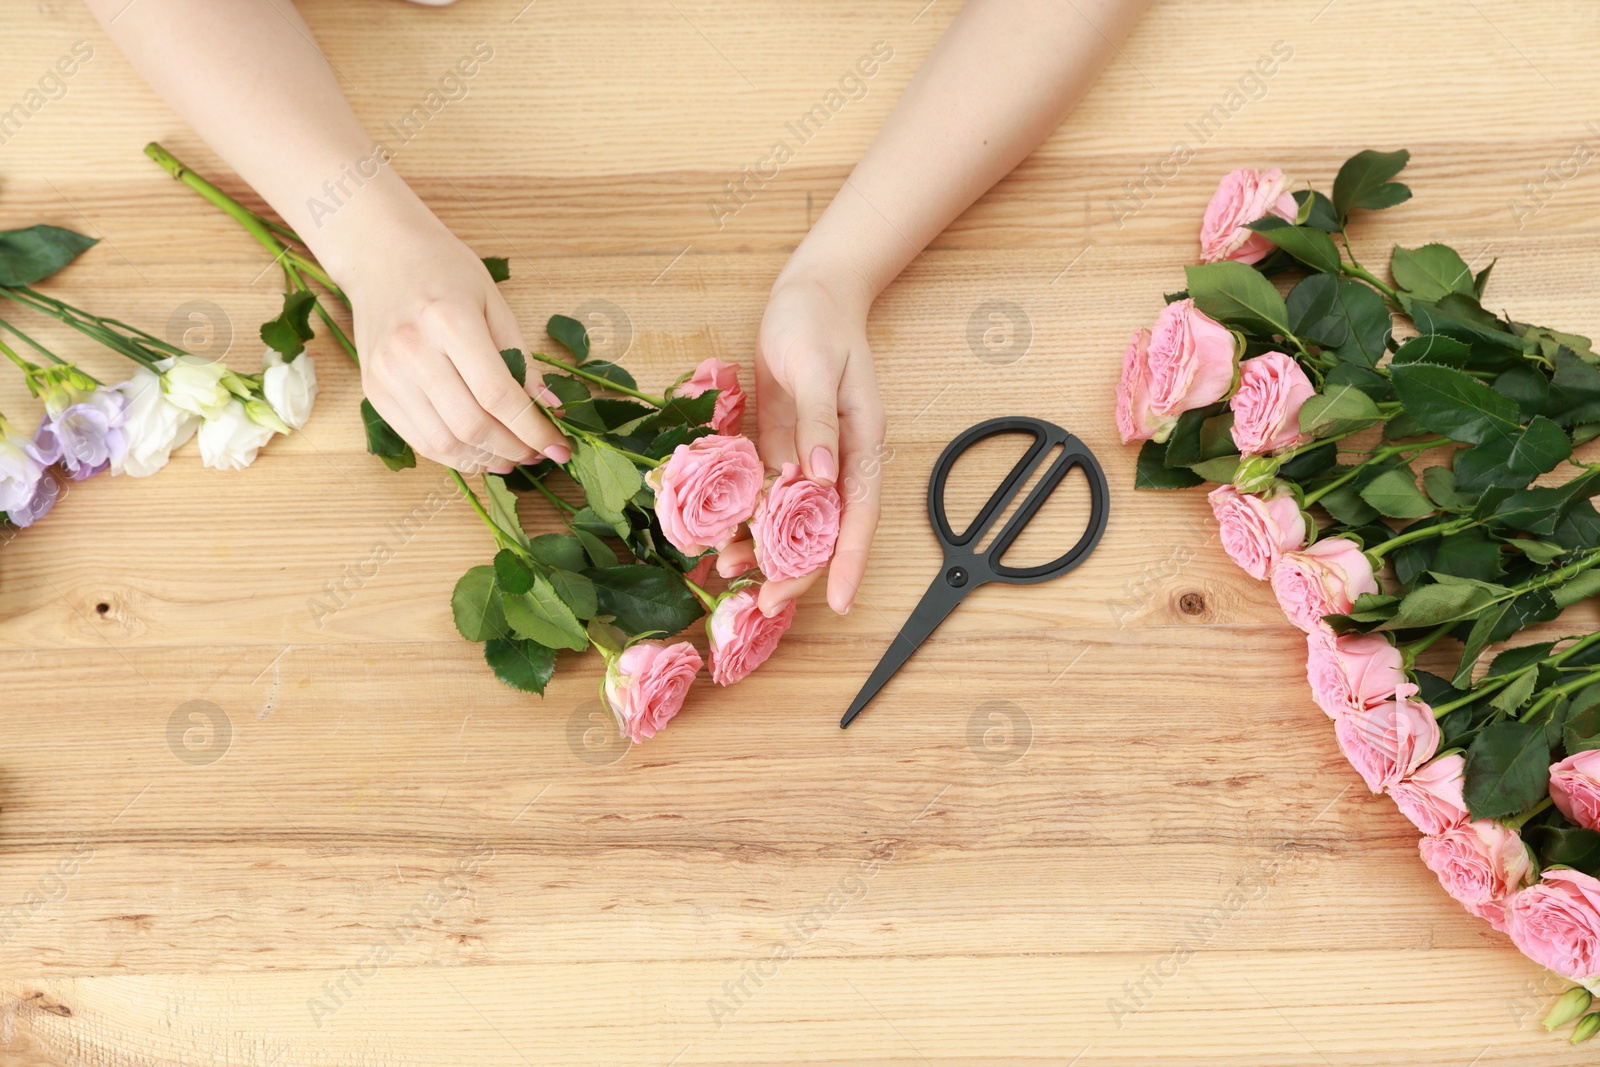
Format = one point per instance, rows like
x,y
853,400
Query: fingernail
x,y
774,609
547,398
848,608
823,469
559,453
503,470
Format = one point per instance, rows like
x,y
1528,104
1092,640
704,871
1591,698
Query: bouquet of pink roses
x,y
659,490
1312,416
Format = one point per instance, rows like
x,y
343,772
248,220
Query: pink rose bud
x,y
1430,796
1480,864
741,637
1134,419
1324,579
1191,362
1257,531
1387,742
795,525
704,491
1266,406
1575,787
1352,671
646,684
1557,923
714,374
1243,197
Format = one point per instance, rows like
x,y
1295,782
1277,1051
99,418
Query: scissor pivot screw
x,y
956,576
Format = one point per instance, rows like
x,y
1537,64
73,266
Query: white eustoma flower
x,y
196,385
154,426
230,439
290,388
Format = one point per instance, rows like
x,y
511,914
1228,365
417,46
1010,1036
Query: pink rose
x,y
1266,406
1241,198
1324,579
1557,923
1352,671
1430,796
714,374
1134,419
795,525
1575,787
704,491
741,637
1387,742
646,683
1191,362
1255,532
1479,863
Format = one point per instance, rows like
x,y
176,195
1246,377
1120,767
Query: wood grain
x,y
1090,825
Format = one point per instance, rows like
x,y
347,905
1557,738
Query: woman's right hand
x,y
430,325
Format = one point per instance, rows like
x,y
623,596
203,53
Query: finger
x,y
485,438
774,595
506,333
472,351
426,431
862,432
774,419
736,558
816,429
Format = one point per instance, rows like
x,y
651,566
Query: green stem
x,y
232,208
1377,456
477,505
599,379
549,494
1421,644
1495,682
1355,270
1520,820
706,598
10,353
35,345
1438,529
1556,692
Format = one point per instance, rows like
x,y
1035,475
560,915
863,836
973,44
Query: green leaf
x,y
1581,731
609,479
1516,694
1219,470
503,508
1507,769
516,363
598,551
1467,554
1367,322
1201,434
1394,493
1581,586
558,550
511,574
1477,641
33,254
541,615
476,605
1431,271
576,591
1513,460
289,332
1432,348
1238,295
520,663
1440,482
1538,552
570,334
1309,245
1453,403
499,268
1315,313
1364,182
645,599
1338,410
1347,507
1431,605
1315,210
614,373
1566,846
383,442
1579,527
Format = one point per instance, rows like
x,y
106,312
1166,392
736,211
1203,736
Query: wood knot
x,y
1192,604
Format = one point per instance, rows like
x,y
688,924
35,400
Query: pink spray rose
x,y
1135,422
646,684
1324,579
795,525
1352,671
1430,796
1190,362
1387,742
714,374
1243,197
1266,406
1575,787
1257,531
704,491
1479,863
1557,923
741,637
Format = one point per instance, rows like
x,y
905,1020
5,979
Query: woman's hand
x,y
430,326
817,405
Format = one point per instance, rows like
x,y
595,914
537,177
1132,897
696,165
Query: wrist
x,y
837,278
381,216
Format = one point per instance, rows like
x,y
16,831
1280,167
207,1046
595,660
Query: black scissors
x,y
965,568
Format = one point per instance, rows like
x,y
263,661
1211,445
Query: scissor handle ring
x,y
986,566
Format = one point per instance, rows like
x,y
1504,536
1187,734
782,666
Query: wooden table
x,y
1097,822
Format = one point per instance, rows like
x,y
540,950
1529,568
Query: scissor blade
x,y
936,604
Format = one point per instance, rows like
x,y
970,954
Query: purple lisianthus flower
x,y
45,494
22,468
86,437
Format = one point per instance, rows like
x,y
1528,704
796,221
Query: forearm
x,y
247,76
1000,80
